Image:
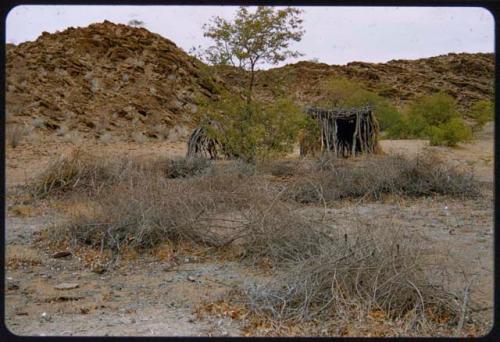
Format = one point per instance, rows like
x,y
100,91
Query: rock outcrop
x,y
104,77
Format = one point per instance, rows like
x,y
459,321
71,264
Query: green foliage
x,y
409,126
257,130
251,38
342,92
434,117
435,109
481,111
449,133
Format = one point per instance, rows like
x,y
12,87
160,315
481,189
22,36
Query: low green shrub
x,y
449,133
434,117
481,112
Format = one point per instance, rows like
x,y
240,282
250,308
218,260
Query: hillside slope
x,y
466,77
104,77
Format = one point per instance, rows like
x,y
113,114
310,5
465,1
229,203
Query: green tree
x,y
342,92
252,128
271,131
251,39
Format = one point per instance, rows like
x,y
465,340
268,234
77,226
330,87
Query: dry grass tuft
x,y
15,133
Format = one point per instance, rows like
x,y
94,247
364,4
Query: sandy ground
x,y
152,297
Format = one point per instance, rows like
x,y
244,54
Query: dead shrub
x,y
80,172
233,167
369,270
185,167
372,177
211,210
280,235
282,168
142,212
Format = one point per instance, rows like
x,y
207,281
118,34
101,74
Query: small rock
x,y
61,254
191,279
12,286
66,286
99,269
45,317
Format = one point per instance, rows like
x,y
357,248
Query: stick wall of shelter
x,y
336,125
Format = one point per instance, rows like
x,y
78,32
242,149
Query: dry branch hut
x,y
346,131
204,145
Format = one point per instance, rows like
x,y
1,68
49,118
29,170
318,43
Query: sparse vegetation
x,y
434,117
15,133
309,245
79,171
370,269
343,92
482,112
270,131
185,167
376,176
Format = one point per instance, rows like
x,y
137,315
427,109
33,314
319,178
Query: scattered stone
x,y
191,278
12,285
66,286
45,317
61,254
99,269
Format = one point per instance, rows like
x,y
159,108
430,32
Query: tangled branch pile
x,y
372,177
81,171
368,269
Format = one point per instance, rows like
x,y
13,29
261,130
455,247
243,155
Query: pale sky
x,y
333,35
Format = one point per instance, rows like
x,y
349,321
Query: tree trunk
x,y
250,86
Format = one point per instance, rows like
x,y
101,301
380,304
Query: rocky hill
x,y
104,77
123,80
467,77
